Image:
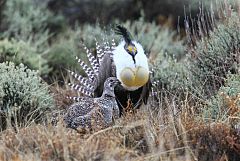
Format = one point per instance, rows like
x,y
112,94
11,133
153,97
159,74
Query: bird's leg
x,y
129,108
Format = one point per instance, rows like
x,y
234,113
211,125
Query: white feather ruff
x,y
122,60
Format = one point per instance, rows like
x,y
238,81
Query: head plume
x,y
120,30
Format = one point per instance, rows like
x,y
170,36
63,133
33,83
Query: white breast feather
x,y
122,59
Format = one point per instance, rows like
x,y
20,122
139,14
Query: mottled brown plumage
x,y
94,112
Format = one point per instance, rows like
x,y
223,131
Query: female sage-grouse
x,y
94,112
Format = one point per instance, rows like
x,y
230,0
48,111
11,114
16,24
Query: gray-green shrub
x,y
24,97
26,20
172,76
215,56
26,26
226,102
67,46
22,52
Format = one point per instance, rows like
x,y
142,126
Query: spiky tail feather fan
x,y
86,85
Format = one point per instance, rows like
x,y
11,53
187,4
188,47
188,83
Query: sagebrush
x,y
24,97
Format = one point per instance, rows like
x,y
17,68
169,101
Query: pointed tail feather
x,y
106,46
81,89
100,52
78,99
84,81
106,49
100,55
113,45
86,69
98,47
93,61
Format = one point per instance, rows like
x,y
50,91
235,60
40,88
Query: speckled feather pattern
x,y
94,112
91,112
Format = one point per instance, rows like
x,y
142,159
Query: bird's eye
x,y
131,49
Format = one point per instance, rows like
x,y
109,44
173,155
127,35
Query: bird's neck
x,y
107,94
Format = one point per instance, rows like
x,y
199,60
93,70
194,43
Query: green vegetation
x,y
25,20
23,96
171,76
22,52
26,33
226,103
217,55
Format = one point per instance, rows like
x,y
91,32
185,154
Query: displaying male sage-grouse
x,y
94,112
127,62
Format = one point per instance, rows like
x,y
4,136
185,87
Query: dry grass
x,y
143,135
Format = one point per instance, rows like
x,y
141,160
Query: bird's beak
x,y
117,82
132,50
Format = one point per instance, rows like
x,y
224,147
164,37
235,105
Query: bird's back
x,y
92,113
79,109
